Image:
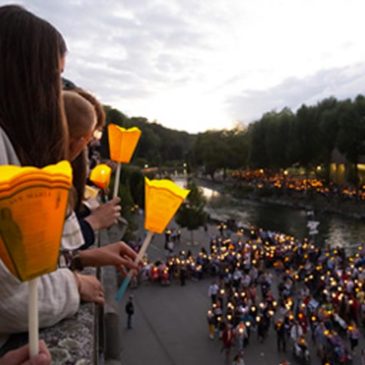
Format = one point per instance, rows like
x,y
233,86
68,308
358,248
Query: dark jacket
x,y
129,307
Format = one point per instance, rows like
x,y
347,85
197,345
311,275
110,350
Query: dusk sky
x,y
196,65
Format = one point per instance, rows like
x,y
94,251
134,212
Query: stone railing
x,y
71,341
111,340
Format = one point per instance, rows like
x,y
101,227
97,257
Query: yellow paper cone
x,y
33,204
100,176
122,142
162,199
90,192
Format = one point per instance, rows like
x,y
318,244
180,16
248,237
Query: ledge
x,y
72,341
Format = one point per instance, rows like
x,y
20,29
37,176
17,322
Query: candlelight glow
x,y
162,199
100,176
122,142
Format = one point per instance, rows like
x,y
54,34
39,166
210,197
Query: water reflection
x,y
210,193
333,229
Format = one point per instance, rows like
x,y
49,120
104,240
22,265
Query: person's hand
x,y
20,356
118,254
90,289
105,215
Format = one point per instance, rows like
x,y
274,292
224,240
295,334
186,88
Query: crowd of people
x,y
310,296
284,182
319,292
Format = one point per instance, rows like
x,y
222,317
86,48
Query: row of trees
x,y
282,139
158,145
278,140
224,149
309,136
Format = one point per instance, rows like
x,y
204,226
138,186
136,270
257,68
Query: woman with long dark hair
x,y
33,132
32,54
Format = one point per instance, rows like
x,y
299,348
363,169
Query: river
x,y
333,229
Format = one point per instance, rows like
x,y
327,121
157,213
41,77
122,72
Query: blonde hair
x,y
80,114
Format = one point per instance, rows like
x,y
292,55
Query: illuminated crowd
x,y
310,296
283,181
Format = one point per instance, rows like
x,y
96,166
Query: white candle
x,y
33,317
117,180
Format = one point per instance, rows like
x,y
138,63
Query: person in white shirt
x,y
296,332
213,291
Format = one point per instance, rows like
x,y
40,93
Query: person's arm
x,y
58,299
90,288
117,254
59,295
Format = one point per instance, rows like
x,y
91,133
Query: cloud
x,y
151,40
185,62
345,82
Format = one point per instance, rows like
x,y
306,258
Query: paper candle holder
x,y
33,206
162,200
122,142
100,176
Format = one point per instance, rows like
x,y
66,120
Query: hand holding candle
x,y
162,199
105,215
20,356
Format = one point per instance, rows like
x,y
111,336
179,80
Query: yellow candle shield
x,y
162,199
122,142
100,176
33,205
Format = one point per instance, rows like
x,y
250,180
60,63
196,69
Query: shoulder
x,y
7,153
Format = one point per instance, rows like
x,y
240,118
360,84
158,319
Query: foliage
x,y
223,149
191,214
278,140
309,137
157,145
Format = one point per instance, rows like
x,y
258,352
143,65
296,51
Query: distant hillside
x,y
158,145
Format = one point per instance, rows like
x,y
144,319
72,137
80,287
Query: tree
x,y
158,145
210,150
278,126
351,133
328,129
307,136
191,214
237,144
257,154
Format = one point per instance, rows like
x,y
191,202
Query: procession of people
x,y
312,297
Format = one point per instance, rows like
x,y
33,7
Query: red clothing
x,y
227,337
